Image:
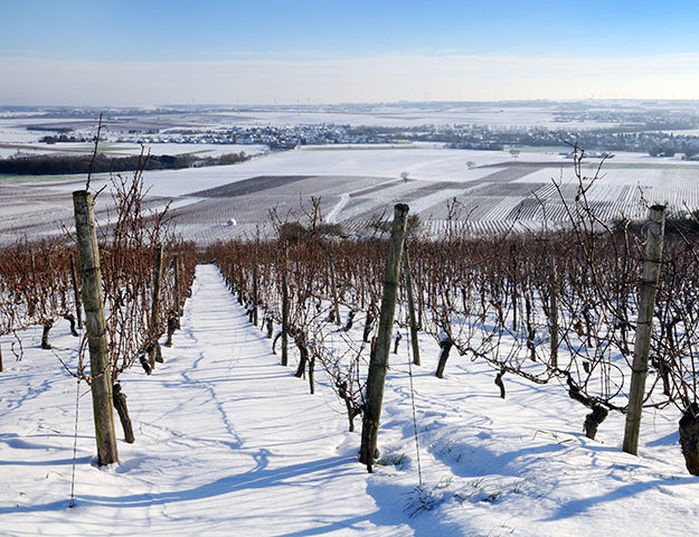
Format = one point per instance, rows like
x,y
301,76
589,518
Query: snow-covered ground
x,y
426,164
229,443
356,183
490,114
199,150
423,163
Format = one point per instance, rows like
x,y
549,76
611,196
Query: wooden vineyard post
x,y
644,326
154,352
411,308
76,292
379,357
93,300
174,315
285,308
157,283
1,369
176,278
420,293
254,288
553,305
513,285
332,285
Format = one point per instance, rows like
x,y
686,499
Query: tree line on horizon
x,y
101,163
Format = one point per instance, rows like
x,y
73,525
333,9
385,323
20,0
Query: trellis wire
x,y
412,403
71,503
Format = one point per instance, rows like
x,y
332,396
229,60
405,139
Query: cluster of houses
x,y
482,137
276,137
655,143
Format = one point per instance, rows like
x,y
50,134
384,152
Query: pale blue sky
x,y
296,51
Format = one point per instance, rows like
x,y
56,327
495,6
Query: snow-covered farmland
x,y
491,114
493,192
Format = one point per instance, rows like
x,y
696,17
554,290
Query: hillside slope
x,y
228,442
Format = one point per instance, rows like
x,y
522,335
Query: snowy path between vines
x,y
229,443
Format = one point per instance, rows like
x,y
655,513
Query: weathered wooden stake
x,y
513,285
333,286
176,269
531,331
76,292
420,293
553,306
411,308
173,320
644,326
93,300
285,310
379,357
158,278
254,314
154,353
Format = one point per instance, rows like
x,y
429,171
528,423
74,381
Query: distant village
x,y
659,134
655,143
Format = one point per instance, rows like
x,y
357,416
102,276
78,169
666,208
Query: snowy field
x,y
229,443
493,190
490,114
